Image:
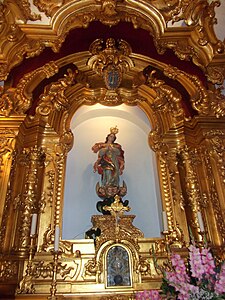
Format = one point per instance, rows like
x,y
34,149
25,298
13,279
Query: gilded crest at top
x,y
110,62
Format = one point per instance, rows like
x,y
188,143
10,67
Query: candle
x,y
33,224
165,223
56,241
200,221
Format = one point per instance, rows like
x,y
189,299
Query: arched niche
x,y
91,124
62,100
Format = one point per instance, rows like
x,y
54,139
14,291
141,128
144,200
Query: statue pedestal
x,y
116,229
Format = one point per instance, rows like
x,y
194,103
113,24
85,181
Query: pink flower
x,y
220,282
148,295
208,262
197,269
179,274
154,295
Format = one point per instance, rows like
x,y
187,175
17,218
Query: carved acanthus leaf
x,y
54,94
167,98
181,48
207,102
18,100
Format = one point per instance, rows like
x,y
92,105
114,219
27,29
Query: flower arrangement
x,y
200,280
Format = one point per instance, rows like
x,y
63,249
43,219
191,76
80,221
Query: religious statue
x,y
110,165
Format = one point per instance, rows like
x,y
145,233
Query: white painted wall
x,y
91,125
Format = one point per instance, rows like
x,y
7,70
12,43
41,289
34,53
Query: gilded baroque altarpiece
x,y
189,147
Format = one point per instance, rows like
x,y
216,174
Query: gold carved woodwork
x,y
214,163
8,270
48,99
206,102
173,202
167,98
18,100
110,230
40,170
152,16
113,56
27,203
22,10
49,7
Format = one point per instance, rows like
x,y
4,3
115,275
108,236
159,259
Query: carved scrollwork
x,y
41,269
156,139
144,266
66,140
207,102
216,74
18,100
213,193
170,10
124,230
217,102
91,268
26,285
48,239
149,15
181,48
167,98
29,201
54,95
108,14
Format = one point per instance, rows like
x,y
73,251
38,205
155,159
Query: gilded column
x,y
214,165
191,191
9,127
28,202
176,203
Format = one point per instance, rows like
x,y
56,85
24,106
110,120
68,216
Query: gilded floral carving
x,y
8,270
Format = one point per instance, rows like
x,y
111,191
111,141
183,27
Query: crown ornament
x,y
114,130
